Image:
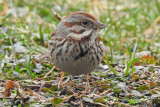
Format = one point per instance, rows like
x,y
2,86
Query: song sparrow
x,y
75,45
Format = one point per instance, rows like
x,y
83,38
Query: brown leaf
x,y
148,59
135,76
5,9
8,85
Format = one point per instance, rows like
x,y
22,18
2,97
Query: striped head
x,y
79,26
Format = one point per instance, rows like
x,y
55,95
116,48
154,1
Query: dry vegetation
x,y
128,76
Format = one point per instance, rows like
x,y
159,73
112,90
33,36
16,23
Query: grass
x,y
133,26
108,63
131,60
126,24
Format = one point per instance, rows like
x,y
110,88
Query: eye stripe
x,y
71,24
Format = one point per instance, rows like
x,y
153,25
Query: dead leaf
x,y
136,93
148,59
38,68
5,9
142,53
124,87
8,86
19,48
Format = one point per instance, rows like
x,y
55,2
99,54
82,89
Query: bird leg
x,y
61,80
88,84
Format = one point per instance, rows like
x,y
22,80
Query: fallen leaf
x,y
148,59
56,101
99,99
19,48
124,87
142,53
8,86
136,93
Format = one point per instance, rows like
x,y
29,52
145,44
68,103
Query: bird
x,y
75,45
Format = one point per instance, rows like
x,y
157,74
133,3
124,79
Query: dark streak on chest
x,y
82,52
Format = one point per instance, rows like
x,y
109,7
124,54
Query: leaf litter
x,y
24,79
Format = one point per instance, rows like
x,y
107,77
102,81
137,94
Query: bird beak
x,y
100,25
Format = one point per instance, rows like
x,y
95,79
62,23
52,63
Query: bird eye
x,y
84,23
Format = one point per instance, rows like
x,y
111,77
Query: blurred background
x,y
31,22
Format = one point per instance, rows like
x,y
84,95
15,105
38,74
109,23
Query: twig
x,y
11,98
34,43
56,15
155,22
32,86
106,92
49,72
32,93
76,103
43,78
66,81
61,80
19,91
122,104
103,105
43,84
42,56
67,98
2,80
153,66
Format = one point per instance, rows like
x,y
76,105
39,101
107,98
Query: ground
x,y
129,74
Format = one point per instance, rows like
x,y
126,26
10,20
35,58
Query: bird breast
x,y
75,57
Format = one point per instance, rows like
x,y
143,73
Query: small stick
x,y
49,72
56,15
61,80
42,56
88,84
154,66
